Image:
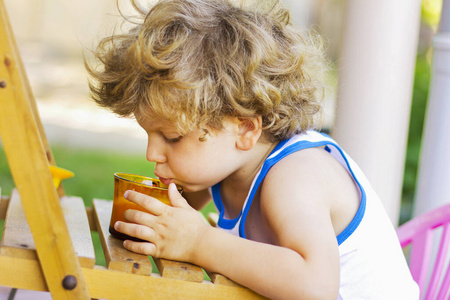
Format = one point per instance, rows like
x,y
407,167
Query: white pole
x,y
376,72
433,181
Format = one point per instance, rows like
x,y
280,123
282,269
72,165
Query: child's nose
x,y
155,153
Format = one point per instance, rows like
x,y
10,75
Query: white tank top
x,y
372,264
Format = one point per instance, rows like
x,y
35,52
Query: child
x,y
229,96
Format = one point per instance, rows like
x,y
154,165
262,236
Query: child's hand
x,y
172,231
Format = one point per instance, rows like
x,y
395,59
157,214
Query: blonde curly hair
x,y
195,62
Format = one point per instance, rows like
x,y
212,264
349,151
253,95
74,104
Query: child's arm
x,y
273,271
304,264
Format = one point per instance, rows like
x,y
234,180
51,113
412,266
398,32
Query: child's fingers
x,y
136,230
175,197
139,217
152,205
139,247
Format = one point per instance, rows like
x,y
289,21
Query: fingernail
x,y
126,194
172,186
116,225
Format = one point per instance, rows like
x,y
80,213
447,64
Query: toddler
x,y
230,97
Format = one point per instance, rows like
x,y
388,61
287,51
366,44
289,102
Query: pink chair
x,y
427,234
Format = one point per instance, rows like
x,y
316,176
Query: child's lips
x,y
165,181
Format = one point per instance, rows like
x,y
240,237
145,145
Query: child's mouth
x,y
165,181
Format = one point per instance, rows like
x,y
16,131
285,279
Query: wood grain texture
x,y
179,270
28,162
17,239
116,256
109,284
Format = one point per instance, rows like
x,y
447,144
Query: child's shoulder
x,y
309,171
307,151
311,182
312,163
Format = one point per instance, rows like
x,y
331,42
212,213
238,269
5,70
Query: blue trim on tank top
x,y
230,223
215,189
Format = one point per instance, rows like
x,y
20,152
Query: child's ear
x,y
249,131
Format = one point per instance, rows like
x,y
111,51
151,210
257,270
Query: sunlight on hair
x,y
196,62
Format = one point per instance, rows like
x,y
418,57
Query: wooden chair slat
x,y
17,233
17,239
217,278
4,202
179,270
110,284
76,219
117,257
91,219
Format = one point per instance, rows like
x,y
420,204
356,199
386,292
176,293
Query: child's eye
x,y
173,140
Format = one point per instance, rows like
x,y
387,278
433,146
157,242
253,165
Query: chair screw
x,y
2,84
69,282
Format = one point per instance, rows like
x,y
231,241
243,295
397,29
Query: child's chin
x,y
190,188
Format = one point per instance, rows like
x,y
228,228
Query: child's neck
x,y
235,188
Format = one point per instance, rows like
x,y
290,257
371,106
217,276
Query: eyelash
x,y
174,140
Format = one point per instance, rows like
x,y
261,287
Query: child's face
x,y
187,161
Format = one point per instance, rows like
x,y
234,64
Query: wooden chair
x,y
46,244
427,237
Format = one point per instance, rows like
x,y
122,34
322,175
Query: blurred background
x,y
93,143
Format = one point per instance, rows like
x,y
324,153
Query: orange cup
x,y
146,185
